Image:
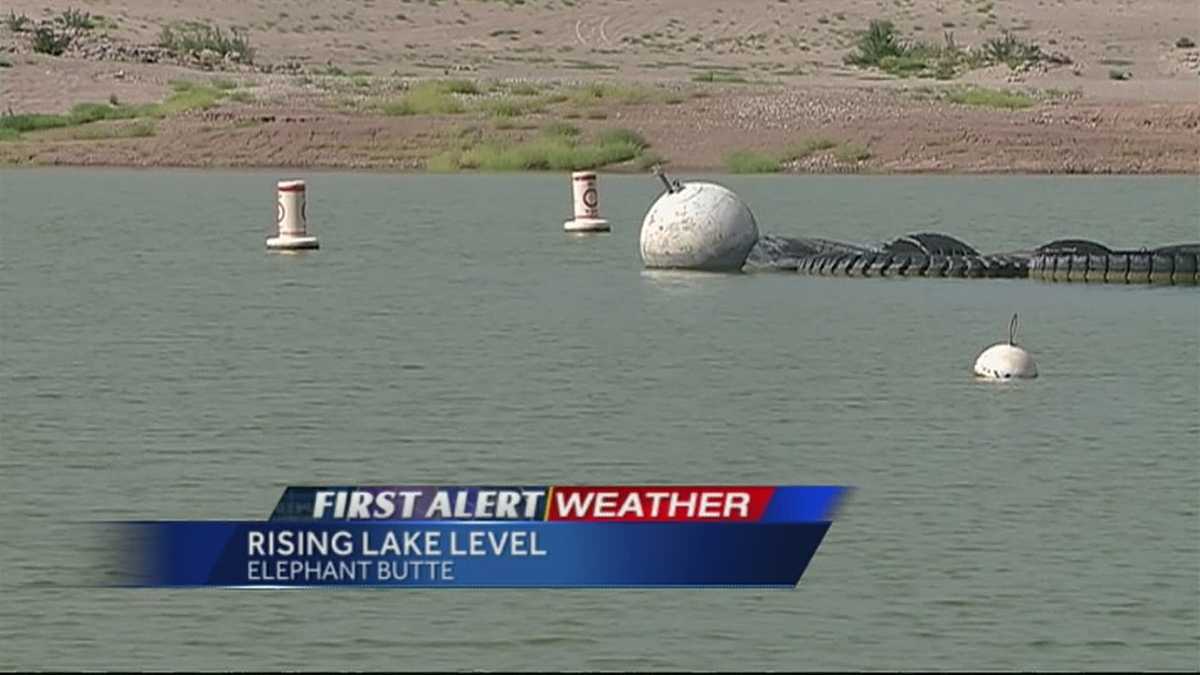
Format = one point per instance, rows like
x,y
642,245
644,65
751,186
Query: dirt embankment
x,y
325,78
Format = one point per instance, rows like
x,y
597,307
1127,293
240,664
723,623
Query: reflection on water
x,y
686,281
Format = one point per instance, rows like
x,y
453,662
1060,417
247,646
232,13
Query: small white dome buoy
x,y
587,204
1006,361
697,226
291,218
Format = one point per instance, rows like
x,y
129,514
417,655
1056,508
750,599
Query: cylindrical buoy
x,y
587,204
1006,361
291,218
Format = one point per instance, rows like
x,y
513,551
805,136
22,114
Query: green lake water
x,y
157,363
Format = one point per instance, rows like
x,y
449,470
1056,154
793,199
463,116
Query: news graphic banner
x,y
533,536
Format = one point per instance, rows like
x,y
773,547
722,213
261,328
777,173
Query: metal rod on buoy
x,y
672,186
587,204
291,219
1006,361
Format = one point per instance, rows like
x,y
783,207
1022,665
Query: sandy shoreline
x,y
895,134
789,99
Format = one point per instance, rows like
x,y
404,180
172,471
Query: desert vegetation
x,y
55,36
752,161
557,147
17,23
514,101
990,98
881,46
197,37
186,95
365,85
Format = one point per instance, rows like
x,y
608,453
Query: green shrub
x,y
881,46
33,122
557,151
425,98
17,24
510,107
47,41
801,150
876,43
902,65
1011,50
187,96
990,98
458,87
442,97
560,129
524,89
196,36
443,162
192,97
84,113
852,153
623,137
718,76
749,161
76,20
140,129
945,70
610,93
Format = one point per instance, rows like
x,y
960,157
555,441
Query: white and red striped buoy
x,y
587,204
291,219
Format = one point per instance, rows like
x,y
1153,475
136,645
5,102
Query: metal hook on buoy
x,y
1006,361
672,186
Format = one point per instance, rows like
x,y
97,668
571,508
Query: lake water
x,y
156,362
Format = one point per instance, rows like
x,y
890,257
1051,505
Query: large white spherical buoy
x,y
1006,360
698,226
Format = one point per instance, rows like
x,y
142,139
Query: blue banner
x,y
434,554
496,537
